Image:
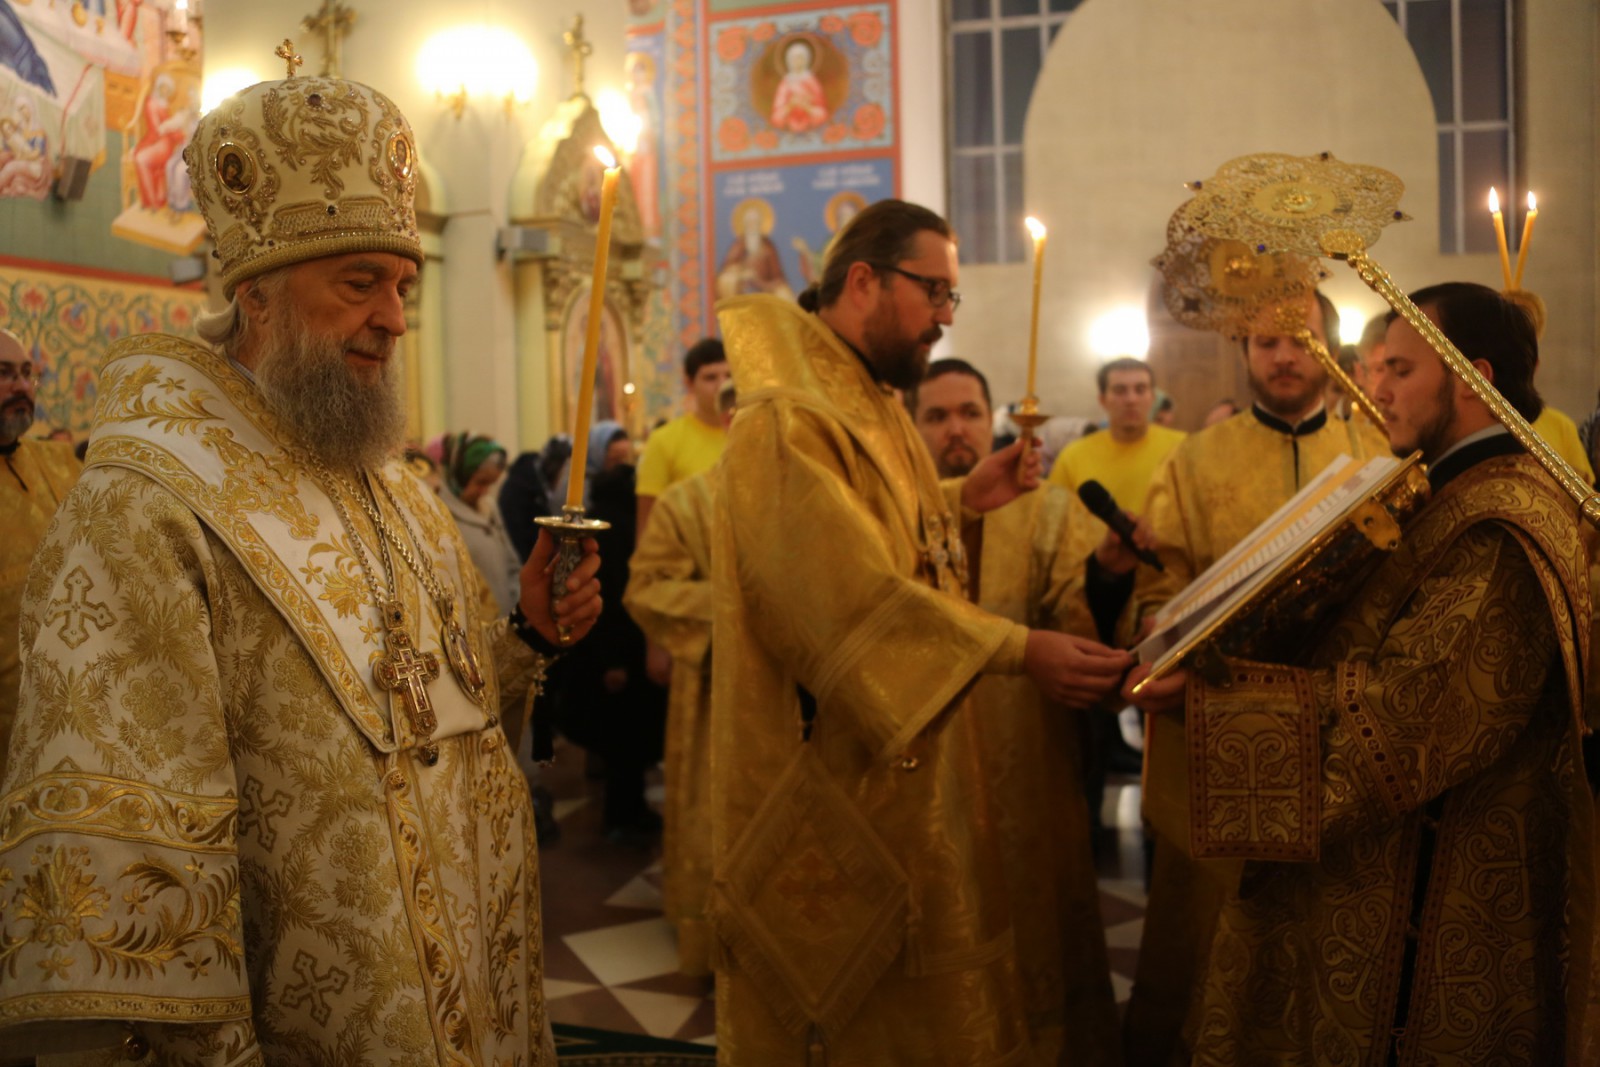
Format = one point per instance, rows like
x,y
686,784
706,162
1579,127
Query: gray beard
x,y
322,403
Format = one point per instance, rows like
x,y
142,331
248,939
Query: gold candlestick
x,y
1500,235
1527,237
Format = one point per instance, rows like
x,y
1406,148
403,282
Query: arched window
x,y
1465,50
997,48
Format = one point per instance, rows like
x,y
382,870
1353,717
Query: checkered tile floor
x,y
610,958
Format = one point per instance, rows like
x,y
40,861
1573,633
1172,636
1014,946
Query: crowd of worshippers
x,y
264,697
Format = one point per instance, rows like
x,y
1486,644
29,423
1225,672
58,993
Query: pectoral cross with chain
x,y
334,21
404,670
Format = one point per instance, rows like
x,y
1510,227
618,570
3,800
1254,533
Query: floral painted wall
x,y
67,319
114,84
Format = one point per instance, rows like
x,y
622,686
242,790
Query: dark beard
x,y
957,461
1285,410
322,402
13,424
900,361
1431,437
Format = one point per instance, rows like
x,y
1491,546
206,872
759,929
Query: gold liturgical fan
x,y
1222,284
1320,206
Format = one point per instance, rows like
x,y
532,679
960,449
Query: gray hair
x,y
225,329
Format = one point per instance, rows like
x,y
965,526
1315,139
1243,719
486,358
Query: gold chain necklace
x,y
464,662
463,659
401,668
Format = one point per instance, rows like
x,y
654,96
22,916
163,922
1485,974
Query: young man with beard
x,y
859,900
1433,899
36,479
1217,486
259,806
1045,562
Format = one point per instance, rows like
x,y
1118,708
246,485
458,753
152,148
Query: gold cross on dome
x,y
334,22
580,48
291,58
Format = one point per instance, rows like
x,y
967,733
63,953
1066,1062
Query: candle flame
x,y
603,154
1034,226
1533,202
1494,201
181,5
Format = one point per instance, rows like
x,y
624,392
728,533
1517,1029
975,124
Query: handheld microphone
x,y
1099,502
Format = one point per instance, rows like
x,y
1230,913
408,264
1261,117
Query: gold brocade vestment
x,y
1412,806
1217,486
214,825
1032,572
669,596
858,900
37,480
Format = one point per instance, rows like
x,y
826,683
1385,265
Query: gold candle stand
x,y
1029,418
570,528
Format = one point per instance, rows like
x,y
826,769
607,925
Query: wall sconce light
x,y
467,62
1122,332
221,84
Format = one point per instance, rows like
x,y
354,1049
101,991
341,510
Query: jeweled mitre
x,y
291,170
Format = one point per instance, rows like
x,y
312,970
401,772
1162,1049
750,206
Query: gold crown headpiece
x,y
302,168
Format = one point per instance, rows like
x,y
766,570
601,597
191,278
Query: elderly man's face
x,y
326,364
360,299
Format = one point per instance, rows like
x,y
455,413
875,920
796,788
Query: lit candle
x,y
591,343
180,15
1500,235
1527,237
1036,228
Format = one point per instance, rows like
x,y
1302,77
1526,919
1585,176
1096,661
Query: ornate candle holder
x,y
570,528
1029,418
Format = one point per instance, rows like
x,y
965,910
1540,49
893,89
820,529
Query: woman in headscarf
x,y
470,466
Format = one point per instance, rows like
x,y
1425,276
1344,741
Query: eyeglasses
x,y
10,372
938,290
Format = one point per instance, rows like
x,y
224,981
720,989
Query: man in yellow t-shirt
x,y
1561,434
1124,456
691,443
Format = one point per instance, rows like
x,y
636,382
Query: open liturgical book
x,y
1369,496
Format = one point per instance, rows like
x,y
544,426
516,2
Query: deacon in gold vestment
x,y
669,596
260,808
1410,796
36,479
1031,562
1217,486
858,899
